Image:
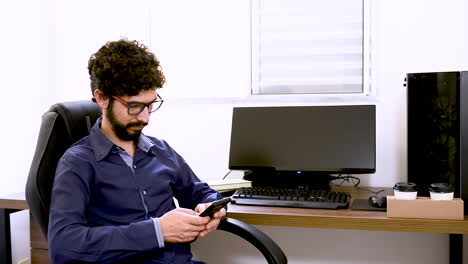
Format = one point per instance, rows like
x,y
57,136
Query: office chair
x,y
65,123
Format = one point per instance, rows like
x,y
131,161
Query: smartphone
x,y
215,207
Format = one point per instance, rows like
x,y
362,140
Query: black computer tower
x,y
438,130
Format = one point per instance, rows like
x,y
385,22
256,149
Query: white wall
x,y
44,50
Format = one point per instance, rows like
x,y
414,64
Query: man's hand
x,y
182,225
213,222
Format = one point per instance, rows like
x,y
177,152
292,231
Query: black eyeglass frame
x,y
142,106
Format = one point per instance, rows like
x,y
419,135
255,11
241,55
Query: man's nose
x,y
144,115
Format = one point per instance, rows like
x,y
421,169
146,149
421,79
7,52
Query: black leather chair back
x,y
62,125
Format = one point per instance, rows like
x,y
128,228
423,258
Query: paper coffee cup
x,y
405,191
441,191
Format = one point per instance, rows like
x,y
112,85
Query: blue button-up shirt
x,y
102,209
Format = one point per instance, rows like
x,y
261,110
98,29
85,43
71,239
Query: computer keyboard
x,y
304,198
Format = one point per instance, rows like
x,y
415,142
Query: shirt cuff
x,y
159,233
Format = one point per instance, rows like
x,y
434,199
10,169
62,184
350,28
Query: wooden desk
x,y
344,218
354,219
39,249
274,216
8,204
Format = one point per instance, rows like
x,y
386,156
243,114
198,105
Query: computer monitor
x,y
304,144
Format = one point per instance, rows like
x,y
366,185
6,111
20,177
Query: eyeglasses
x,y
135,108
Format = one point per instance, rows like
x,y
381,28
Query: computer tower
x,y
438,130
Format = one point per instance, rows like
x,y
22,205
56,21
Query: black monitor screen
x,y
325,139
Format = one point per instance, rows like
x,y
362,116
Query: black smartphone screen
x,y
215,207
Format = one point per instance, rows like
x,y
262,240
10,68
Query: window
x,y
308,47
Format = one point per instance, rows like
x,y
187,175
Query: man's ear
x,y
101,99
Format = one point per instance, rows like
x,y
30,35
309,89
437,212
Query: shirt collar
x,y
102,145
144,143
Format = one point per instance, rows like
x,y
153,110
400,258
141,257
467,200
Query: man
x,y
112,199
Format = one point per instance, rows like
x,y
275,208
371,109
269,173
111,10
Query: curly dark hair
x,y
124,68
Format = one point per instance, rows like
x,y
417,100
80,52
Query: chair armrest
x,y
270,250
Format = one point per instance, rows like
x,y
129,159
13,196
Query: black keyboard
x,y
304,198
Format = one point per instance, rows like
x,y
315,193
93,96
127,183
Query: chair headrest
x,y
78,117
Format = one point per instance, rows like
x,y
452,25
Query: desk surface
x,y
344,218
14,201
318,218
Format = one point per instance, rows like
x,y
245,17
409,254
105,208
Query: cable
x,y
348,178
369,190
227,174
355,181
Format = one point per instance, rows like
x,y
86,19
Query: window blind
x,y
307,46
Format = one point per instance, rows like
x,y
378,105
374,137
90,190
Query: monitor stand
x,y
288,179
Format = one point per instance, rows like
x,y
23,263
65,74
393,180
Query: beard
x,y
122,130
